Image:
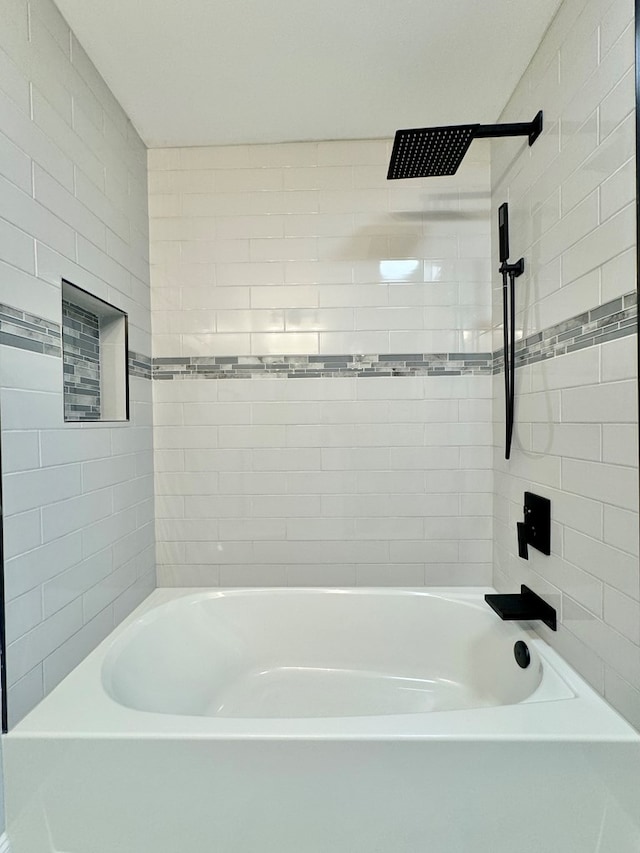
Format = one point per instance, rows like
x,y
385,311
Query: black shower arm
x,y
532,129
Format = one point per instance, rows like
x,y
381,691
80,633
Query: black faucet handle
x,y
523,541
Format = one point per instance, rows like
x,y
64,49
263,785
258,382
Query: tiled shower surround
x,y
322,414
78,497
326,409
81,363
572,208
271,264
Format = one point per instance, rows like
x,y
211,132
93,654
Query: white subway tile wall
x,y
306,250
78,498
572,208
261,250
310,481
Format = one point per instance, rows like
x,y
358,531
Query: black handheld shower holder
x,y
515,270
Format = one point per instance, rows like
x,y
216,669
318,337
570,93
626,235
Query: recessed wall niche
x,y
95,347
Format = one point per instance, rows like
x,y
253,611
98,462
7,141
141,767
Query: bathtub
x,y
322,721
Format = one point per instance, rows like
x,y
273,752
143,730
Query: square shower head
x,y
429,151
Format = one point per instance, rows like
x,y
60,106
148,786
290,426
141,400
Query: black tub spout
x,y
525,606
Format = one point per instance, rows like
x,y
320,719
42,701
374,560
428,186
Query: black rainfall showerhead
x,y
423,152
429,151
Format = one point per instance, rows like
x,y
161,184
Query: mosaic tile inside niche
x,y
81,363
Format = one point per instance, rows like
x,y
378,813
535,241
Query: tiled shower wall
x,y
78,498
322,401
572,206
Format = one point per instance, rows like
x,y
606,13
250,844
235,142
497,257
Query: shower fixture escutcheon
x,y
535,530
426,152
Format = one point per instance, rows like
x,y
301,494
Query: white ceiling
x,y
210,72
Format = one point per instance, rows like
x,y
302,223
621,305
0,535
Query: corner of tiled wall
x,y
572,206
78,498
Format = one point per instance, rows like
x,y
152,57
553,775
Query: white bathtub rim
x,y
79,707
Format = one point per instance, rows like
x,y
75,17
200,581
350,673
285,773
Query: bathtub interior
x,y
317,653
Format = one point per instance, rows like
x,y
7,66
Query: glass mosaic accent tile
x,y
139,365
615,319
26,331
81,357
607,322
307,366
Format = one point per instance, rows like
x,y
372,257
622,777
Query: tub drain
x,y
521,654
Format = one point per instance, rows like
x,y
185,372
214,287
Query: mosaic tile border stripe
x,y
29,332
139,365
314,366
615,319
